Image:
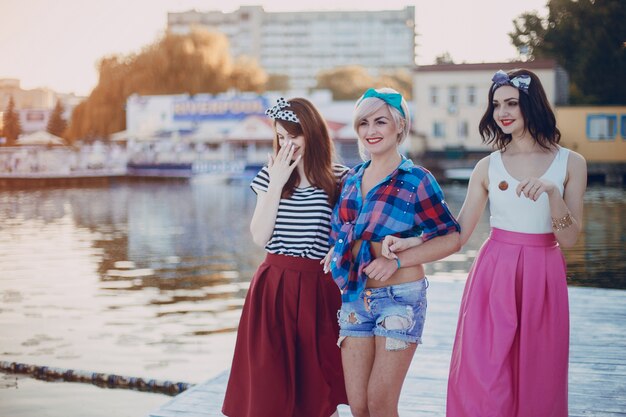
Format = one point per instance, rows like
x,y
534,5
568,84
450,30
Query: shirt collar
x,y
405,165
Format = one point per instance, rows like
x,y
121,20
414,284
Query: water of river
x,y
147,279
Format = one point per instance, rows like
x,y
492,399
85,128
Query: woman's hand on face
x,y
381,269
281,166
533,187
326,260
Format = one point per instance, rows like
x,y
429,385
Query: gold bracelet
x,y
562,223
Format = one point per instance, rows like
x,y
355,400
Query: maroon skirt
x,y
286,360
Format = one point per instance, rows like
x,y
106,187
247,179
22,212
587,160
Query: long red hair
x,y
318,150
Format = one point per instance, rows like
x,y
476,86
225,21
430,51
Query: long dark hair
x,y
318,150
539,118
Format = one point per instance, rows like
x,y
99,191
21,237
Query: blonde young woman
x,y
384,301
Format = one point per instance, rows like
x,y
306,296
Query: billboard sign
x,y
203,107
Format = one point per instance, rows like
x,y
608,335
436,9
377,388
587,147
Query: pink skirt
x,y
286,361
510,355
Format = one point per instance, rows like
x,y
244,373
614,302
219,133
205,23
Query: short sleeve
x,y
432,213
261,182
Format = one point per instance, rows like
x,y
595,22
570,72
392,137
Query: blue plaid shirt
x,y
409,202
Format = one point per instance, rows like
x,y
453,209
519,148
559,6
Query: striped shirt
x,y
303,220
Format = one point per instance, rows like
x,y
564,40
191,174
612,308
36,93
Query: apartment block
x,y
301,44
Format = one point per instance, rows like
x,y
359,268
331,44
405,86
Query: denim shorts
x,y
396,312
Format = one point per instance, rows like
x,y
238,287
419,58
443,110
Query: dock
x,y
597,368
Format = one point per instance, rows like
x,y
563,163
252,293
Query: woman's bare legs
x,y
357,355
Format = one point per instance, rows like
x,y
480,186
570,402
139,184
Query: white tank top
x,y
521,214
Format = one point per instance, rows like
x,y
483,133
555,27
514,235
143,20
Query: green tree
x,y
57,124
587,38
530,29
11,126
198,62
444,58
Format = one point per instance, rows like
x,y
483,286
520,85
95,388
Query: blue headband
x,y
393,99
521,82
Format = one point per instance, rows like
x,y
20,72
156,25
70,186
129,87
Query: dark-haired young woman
x,y
510,354
286,361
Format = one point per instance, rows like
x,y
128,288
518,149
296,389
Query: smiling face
x,y
284,137
378,132
507,112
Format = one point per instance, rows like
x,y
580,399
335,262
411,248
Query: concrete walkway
x,y
597,371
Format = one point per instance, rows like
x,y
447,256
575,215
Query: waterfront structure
x,y
222,127
450,100
301,44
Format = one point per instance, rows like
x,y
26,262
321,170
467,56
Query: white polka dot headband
x,y
276,112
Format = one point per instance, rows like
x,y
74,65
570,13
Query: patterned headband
x,y
521,82
277,112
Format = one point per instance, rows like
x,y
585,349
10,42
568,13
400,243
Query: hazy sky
x,y
56,43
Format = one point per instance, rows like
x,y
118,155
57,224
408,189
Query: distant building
x,y
596,132
599,134
34,106
37,98
301,44
450,100
226,126
33,120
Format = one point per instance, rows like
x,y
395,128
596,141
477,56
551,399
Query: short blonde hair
x,y
365,107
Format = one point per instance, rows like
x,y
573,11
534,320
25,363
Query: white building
x,y
229,126
450,100
34,106
37,98
301,44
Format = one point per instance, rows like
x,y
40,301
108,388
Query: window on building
x,y
463,129
433,95
439,130
471,95
623,126
453,93
601,126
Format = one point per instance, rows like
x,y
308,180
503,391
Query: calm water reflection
x,y
147,279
